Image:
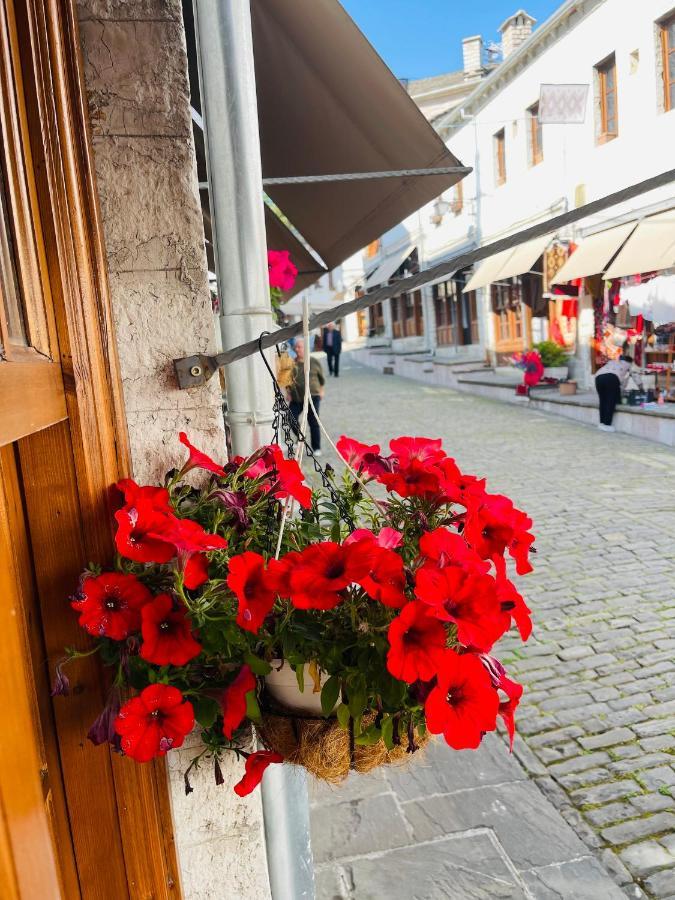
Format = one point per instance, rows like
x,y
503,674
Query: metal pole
x,y
227,79
229,106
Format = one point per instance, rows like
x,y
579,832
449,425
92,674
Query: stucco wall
x,y
136,80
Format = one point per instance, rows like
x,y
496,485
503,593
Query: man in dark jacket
x,y
332,344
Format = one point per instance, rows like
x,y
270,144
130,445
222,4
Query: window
x,y
500,157
507,310
535,150
668,61
456,313
606,80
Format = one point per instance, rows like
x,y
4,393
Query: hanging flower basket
x,y
383,590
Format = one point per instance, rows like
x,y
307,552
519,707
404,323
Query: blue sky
x,y
417,38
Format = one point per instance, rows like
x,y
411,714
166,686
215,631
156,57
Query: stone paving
x,y
597,722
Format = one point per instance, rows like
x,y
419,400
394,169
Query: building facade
x,y
526,171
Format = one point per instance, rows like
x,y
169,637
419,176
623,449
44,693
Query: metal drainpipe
x,y
229,106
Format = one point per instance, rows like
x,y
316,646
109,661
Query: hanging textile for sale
x,y
654,299
570,309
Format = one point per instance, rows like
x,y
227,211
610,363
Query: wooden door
x,y
75,820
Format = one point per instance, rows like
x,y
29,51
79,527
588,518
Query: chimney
x,y
472,52
515,31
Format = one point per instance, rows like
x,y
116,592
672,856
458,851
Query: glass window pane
x,y
670,29
671,65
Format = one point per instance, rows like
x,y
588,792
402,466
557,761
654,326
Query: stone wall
x,y
136,80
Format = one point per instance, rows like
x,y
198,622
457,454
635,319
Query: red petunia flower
x,y
414,479
255,769
196,571
512,602
318,575
389,538
363,457
386,579
464,704
468,600
247,579
494,525
443,547
188,536
417,449
110,604
282,272
234,700
460,488
167,633
198,460
155,721
513,691
417,641
157,497
141,531
284,477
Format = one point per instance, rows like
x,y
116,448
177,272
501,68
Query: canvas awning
x,y
386,269
651,247
328,104
508,264
593,254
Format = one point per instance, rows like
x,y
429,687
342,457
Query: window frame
x,y
602,69
535,141
666,49
499,138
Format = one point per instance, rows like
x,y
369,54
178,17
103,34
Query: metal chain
x,y
282,416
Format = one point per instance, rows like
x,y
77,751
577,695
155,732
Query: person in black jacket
x,y
332,343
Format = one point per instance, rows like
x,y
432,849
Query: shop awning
x,y
319,300
386,269
651,247
593,254
328,104
508,264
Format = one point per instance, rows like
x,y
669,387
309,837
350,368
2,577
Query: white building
x,y
526,172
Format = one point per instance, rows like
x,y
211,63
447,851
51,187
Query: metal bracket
x,y
194,371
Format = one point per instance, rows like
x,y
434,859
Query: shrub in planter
x,y
552,355
385,596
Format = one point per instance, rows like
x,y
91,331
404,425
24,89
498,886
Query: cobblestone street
x,y
597,721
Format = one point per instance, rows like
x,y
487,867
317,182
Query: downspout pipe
x,y
230,111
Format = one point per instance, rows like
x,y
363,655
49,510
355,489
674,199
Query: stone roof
x,y
434,83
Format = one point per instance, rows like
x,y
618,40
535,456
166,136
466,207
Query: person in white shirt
x,y
609,382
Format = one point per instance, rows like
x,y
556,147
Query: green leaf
x,y
387,728
343,715
370,736
422,729
335,533
258,666
357,702
206,711
329,695
252,709
300,676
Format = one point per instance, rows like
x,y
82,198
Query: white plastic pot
x,y
559,372
282,686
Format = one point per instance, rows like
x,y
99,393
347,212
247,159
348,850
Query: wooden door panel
x,y
52,508
26,833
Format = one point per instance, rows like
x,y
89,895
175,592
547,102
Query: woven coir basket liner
x,y
326,749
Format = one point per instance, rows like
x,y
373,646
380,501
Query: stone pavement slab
x,y
597,730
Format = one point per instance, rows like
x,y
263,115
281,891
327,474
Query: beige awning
x,y
651,247
328,104
487,271
508,263
593,254
386,269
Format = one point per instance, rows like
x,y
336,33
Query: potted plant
x,y
554,359
344,634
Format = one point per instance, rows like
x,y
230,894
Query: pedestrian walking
x,y
296,391
609,381
332,344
